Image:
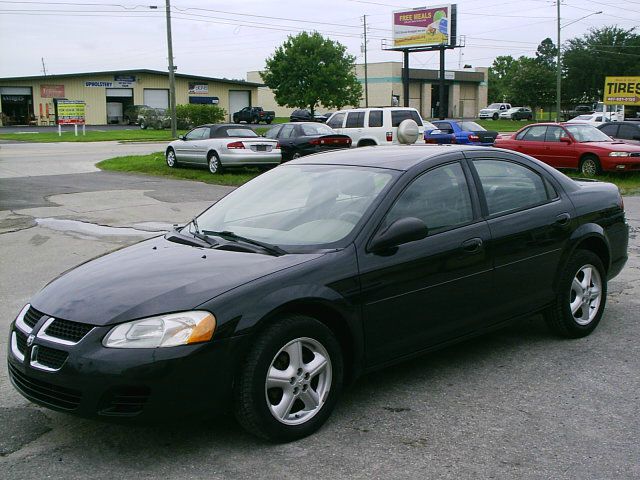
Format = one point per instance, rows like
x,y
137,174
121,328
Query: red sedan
x,y
573,145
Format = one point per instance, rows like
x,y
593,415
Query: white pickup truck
x,y
494,110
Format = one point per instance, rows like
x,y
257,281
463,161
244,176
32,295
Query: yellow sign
x,y
622,91
71,111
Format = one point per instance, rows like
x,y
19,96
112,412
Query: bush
x,y
192,114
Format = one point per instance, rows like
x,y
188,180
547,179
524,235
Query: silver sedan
x,y
223,145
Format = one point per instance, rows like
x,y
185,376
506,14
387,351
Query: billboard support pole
x,y
405,79
442,86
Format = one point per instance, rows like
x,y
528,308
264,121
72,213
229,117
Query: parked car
x,y
463,132
313,273
573,145
594,119
303,115
628,132
494,110
373,126
131,113
254,115
578,110
157,118
303,138
517,113
223,145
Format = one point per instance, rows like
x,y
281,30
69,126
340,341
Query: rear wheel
x,y
581,298
590,166
269,122
295,155
290,381
215,166
143,125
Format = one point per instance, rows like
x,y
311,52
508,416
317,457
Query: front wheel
x,y
495,116
143,125
590,166
269,122
171,158
581,297
290,381
215,166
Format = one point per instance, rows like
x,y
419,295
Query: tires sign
x,y
622,91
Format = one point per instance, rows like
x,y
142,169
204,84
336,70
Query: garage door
x,y
119,92
238,99
156,97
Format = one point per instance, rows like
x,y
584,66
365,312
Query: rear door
x,y
532,142
529,217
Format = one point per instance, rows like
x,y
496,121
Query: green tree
x,y
500,75
587,60
533,83
547,53
308,70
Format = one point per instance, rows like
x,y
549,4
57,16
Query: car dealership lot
x,y
518,403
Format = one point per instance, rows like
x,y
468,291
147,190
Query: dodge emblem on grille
x,y
30,339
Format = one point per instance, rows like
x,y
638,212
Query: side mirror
x,y
182,137
565,139
404,230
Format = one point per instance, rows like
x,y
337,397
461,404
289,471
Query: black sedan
x,y
315,272
304,138
628,132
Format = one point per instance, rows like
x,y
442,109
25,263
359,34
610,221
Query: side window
x,y
629,132
610,130
273,133
355,120
196,134
509,186
535,134
439,197
444,126
397,116
287,131
375,118
336,120
554,134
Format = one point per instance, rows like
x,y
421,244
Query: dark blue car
x,y
459,132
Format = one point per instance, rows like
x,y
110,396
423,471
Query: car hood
x,y
615,146
153,277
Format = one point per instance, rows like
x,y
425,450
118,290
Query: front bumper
x,y
94,381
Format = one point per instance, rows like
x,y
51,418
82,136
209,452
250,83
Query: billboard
x,y
71,112
424,27
622,91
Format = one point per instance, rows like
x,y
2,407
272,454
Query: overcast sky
x,y
229,38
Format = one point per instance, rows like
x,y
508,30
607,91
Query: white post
x,y
75,129
83,131
59,130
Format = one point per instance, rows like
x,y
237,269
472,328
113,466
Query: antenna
x,y
44,67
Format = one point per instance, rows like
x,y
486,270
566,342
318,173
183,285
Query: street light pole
x,y
172,77
558,69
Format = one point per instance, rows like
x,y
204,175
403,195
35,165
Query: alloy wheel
x,y
171,158
586,294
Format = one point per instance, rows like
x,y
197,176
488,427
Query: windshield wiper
x,y
227,235
200,235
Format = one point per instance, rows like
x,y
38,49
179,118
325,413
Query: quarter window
x,y
355,120
508,186
439,197
375,118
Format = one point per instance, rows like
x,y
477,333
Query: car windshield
x,y
494,106
471,127
316,129
587,133
314,206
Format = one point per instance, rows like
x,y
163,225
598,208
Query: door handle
x,y
563,219
472,245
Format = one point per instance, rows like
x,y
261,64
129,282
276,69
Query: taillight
x,y
235,145
389,136
454,139
430,140
474,138
314,141
277,145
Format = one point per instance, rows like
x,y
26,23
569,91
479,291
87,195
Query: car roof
x,y
396,157
633,124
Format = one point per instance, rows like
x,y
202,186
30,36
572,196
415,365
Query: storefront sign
x,y
423,27
103,84
622,91
198,88
52,91
204,100
71,112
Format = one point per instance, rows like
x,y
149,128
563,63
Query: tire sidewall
x,y
596,163
278,338
175,162
214,158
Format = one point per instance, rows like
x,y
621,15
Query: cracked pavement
x,y
517,403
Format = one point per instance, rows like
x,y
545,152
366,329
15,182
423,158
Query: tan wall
x,y
95,97
483,90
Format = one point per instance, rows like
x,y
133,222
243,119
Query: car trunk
x,y
485,136
331,142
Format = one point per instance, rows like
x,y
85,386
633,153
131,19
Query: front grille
x,y
50,357
21,341
32,317
66,330
44,392
124,401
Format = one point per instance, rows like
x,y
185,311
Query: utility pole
x,y
366,73
558,70
44,68
172,76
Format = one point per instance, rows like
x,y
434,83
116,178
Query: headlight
x,y
619,154
163,331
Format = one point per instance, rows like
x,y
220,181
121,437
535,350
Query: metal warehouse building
x,y
465,90
31,100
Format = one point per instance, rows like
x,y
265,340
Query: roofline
x,y
128,72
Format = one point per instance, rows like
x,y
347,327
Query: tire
x,y
263,383
171,158
570,316
143,125
269,122
213,161
495,116
295,155
590,166
256,121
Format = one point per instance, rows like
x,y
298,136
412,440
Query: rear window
x,y
336,120
375,118
355,120
241,132
398,116
311,129
471,127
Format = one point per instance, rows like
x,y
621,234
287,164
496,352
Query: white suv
x,y
494,110
373,126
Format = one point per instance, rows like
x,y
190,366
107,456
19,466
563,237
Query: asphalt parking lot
x,y
515,404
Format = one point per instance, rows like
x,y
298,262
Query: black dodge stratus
x,y
313,273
